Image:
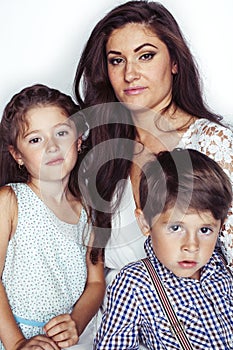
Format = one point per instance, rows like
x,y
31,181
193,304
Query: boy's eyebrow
x,y
135,50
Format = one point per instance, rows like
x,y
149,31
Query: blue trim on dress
x,y
29,322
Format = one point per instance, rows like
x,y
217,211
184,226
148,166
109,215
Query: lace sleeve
x,y
217,142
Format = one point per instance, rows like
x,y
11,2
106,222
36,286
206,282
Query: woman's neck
x,y
161,131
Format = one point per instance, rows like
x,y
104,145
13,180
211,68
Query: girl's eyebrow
x,y
55,126
135,50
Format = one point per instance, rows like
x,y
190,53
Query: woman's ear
x,y
174,68
15,154
142,223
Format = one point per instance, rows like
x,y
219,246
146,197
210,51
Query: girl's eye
x,y
35,140
115,61
205,230
175,228
147,56
62,133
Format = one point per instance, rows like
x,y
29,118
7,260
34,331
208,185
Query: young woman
x,y
140,87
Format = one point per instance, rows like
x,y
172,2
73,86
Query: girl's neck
x,y
58,198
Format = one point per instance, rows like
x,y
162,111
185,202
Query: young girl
x,y
50,286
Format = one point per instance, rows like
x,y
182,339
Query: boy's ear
x,y
16,155
142,223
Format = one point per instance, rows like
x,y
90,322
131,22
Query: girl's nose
x,y
52,145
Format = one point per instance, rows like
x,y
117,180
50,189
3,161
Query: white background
x,y
41,42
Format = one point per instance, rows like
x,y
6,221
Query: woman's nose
x,y
131,72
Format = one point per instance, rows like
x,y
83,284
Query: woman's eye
x,y
35,140
205,230
115,61
147,56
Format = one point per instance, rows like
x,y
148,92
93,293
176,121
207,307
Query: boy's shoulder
x,y
135,275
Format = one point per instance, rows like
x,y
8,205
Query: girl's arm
x,y
66,329
10,334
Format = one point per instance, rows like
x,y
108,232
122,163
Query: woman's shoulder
x,y
206,133
208,127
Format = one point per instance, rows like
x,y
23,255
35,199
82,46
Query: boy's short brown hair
x,y
187,179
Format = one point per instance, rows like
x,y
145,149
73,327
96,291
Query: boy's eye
x,y
175,228
35,140
205,230
147,56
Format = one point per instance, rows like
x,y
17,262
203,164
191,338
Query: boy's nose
x,y
191,243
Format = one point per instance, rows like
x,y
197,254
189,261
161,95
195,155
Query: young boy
x,y
184,199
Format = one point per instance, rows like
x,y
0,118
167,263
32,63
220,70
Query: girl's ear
x,y
79,143
142,223
16,155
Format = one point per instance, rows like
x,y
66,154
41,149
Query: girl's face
x,y
48,147
139,67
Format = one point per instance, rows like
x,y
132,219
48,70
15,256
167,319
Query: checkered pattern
x,y
134,313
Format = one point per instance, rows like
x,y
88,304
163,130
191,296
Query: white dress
x,y
127,242
45,268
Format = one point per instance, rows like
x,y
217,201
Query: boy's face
x,y
184,243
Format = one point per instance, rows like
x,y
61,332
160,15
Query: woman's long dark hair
x,y
93,87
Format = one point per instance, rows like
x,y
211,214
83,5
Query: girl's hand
x,y
62,330
38,342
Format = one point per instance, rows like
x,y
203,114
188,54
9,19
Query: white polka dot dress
x,y
45,268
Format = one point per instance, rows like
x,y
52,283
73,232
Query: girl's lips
x,y
187,264
55,161
134,90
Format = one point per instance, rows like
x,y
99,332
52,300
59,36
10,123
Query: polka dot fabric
x,y
45,269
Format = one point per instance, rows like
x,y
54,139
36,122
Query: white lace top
x,y
126,242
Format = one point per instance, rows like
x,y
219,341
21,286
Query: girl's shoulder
x,y
8,208
7,195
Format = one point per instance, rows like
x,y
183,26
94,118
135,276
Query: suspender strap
x,y
176,326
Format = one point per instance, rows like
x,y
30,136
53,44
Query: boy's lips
x,y
187,264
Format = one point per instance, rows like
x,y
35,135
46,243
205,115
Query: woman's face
x,y
139,67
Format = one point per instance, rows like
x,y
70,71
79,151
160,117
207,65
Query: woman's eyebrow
x,y
135,50
146,44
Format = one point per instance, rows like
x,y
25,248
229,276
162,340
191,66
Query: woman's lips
x,y
134,90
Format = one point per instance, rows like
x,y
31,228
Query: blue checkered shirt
x,y
134,314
